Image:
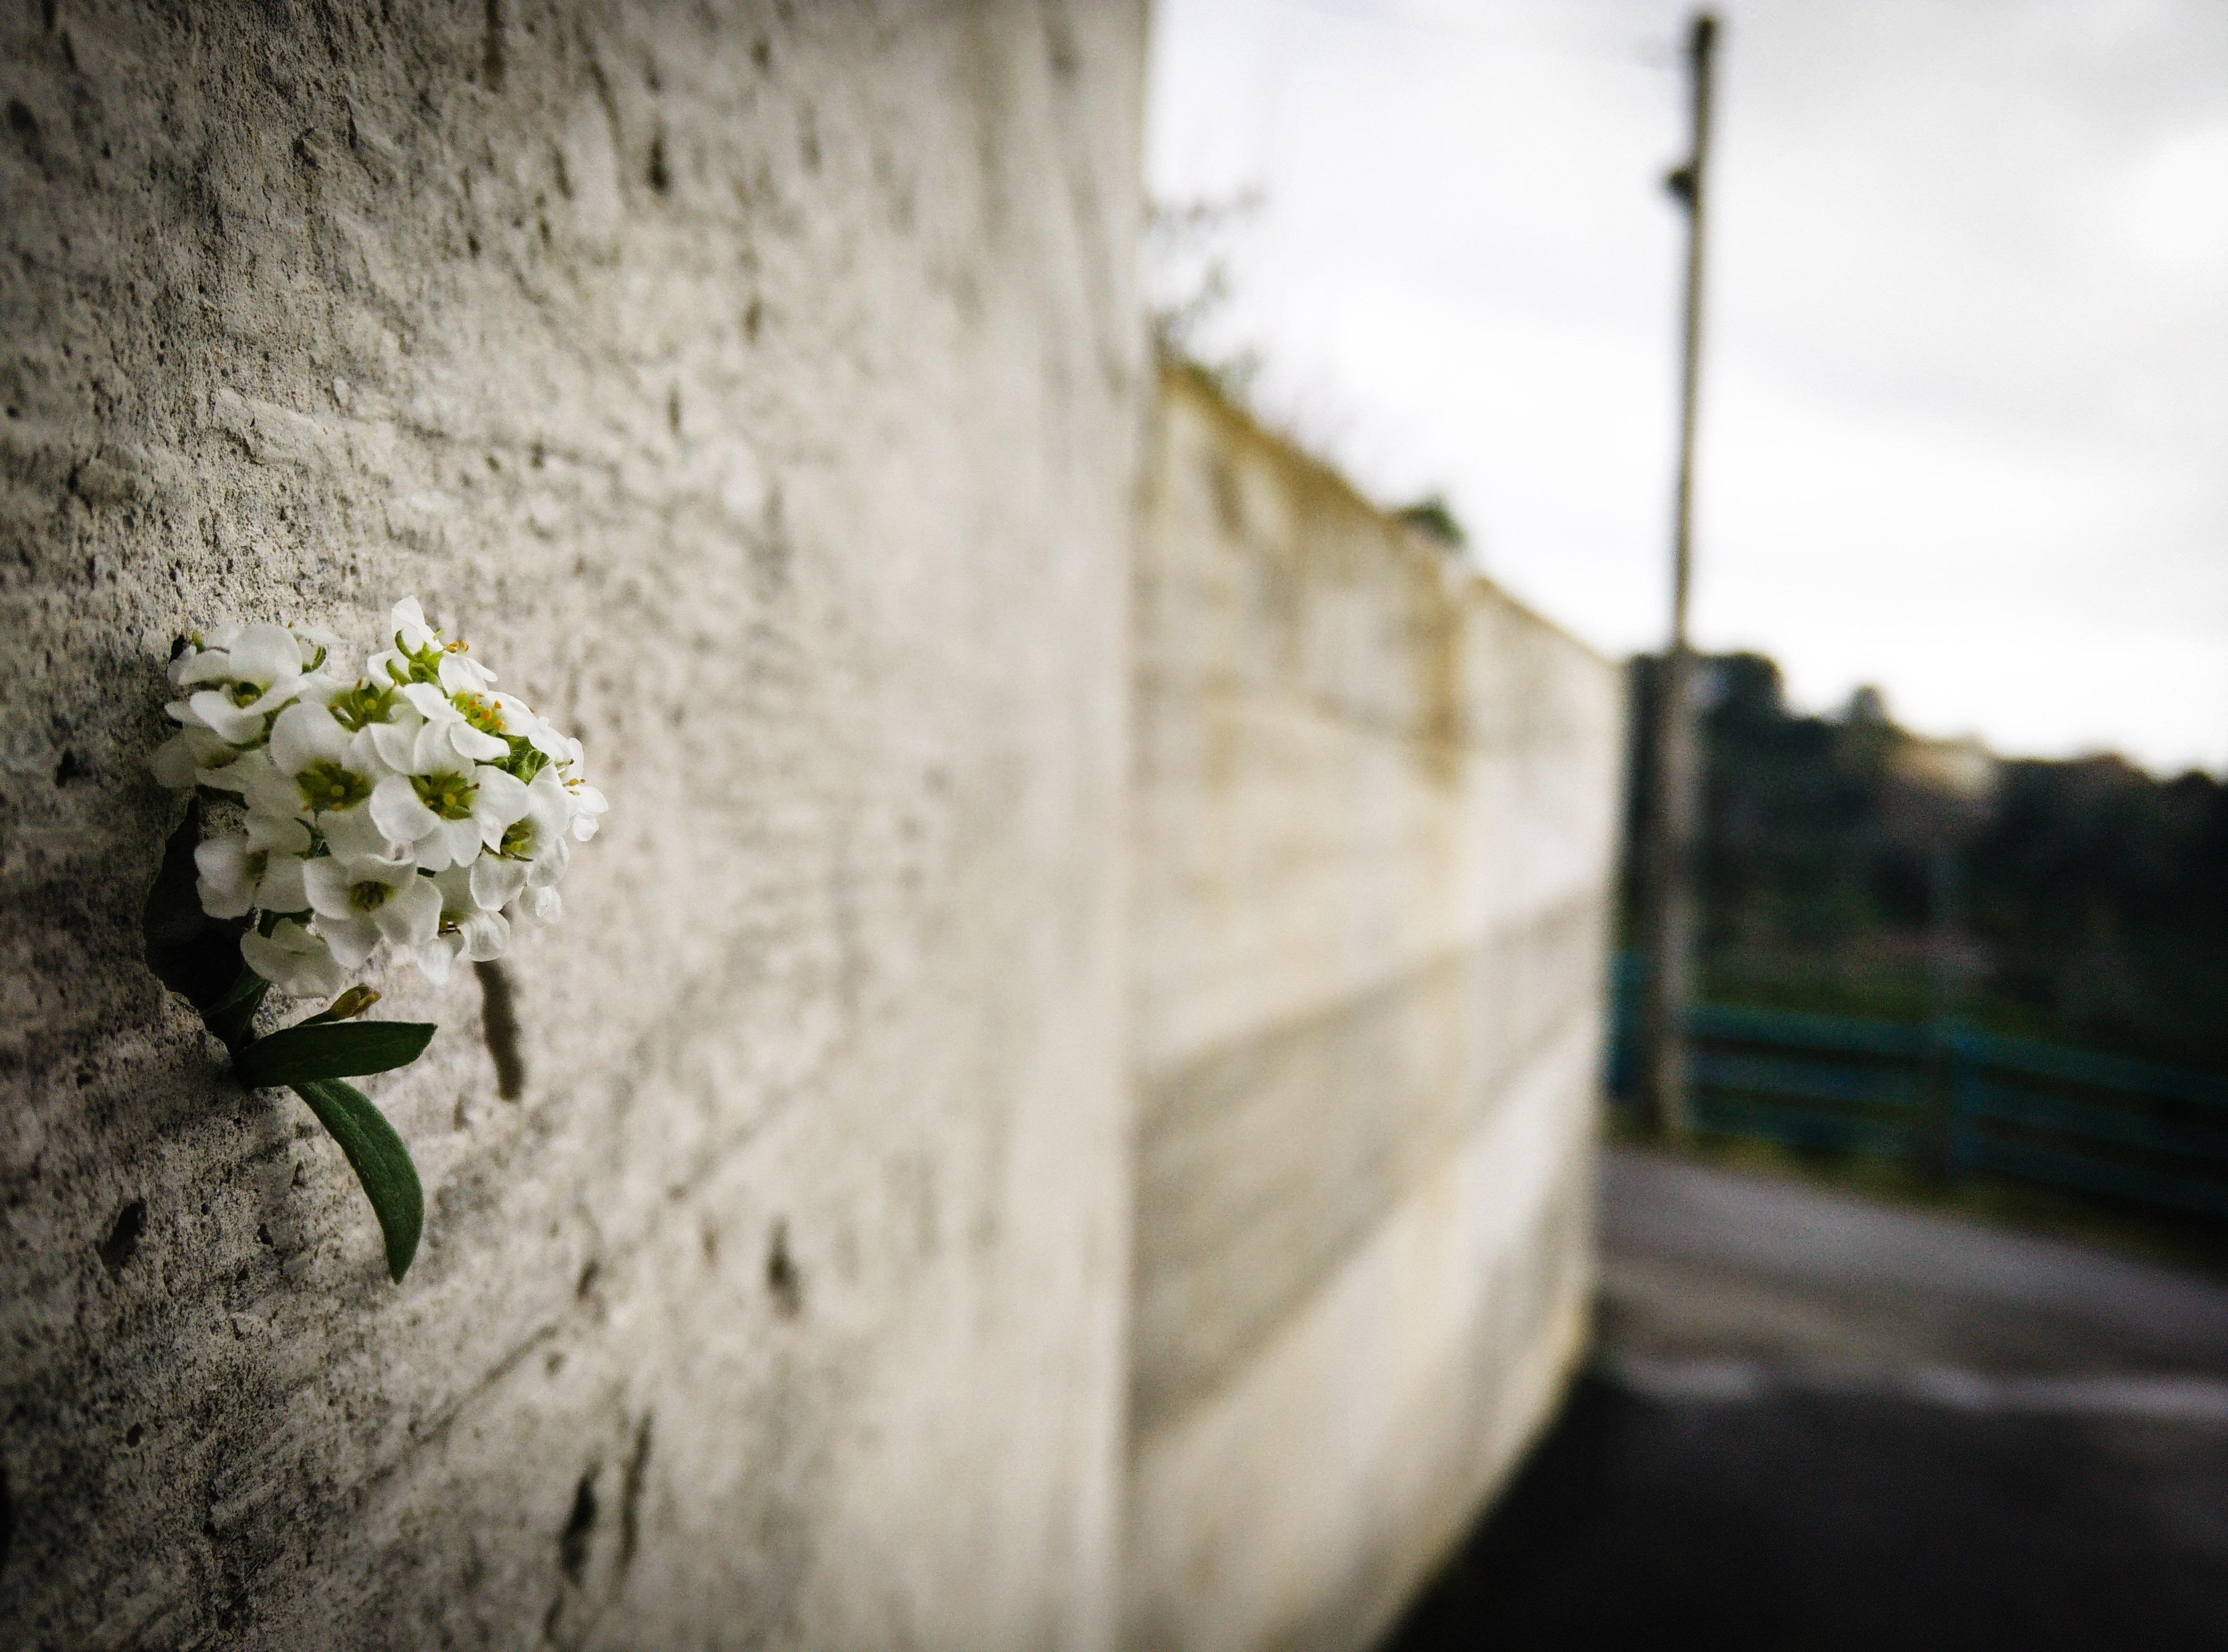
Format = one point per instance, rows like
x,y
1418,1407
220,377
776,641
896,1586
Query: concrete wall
x,y
1373,813
756,386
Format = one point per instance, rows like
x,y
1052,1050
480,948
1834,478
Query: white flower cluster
x,y
415,804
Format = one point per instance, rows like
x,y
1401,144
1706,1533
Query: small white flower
x,y
293,960
407,621
233,689
538,836
467,740
588,808
320,769
260,868
202,756
440,802
461,674
466,930
414,806
362,901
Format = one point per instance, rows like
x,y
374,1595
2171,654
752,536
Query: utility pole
x,y
1669,822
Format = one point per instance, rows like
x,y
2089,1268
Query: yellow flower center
x,y
449,796
328,787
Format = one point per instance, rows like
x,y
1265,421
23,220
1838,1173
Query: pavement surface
x,y
1815,1422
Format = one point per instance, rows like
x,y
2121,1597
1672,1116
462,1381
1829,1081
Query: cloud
x,y
1967,388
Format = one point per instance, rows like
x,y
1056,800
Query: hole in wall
x,y
587,1282
23,126
579,1526
638,1469
133,1435
68,769
661,177
491,58
192,954
783,1281
122,1241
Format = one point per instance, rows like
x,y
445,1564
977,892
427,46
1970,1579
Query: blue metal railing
x,y
1952,1098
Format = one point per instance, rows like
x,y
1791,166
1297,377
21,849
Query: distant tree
x,y
1188,287
2091,899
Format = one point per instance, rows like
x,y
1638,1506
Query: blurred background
x,y
1913,1334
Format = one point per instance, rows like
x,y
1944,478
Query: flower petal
x,y
436,957
427,700
461,838
431,753
461,674
486,934
264,655
272,794
200,667
174,762
325,882
277,694
306,733
354,834
230,768
476,743
281,888
401,818
283,833
502,799
547,741
215,711
412,915
293,960
547,868
495,882
408,620
353,939
396,739
228,875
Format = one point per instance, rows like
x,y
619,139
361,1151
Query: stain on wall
x,y
1373,819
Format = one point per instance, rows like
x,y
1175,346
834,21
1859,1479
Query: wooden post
x,y
1670,820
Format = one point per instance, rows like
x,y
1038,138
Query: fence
x,y
1951,1099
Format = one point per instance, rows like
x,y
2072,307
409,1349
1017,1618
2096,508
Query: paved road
x,y
1818,1423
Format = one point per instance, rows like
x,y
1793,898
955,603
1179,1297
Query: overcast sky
x,y
1965,404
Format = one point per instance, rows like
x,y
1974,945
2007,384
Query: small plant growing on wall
x,y
415,807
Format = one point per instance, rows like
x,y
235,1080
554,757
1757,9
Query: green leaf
x,y
381,1163
318,1050
232,1018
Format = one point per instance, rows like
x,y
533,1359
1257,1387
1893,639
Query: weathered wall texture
x,y
755,385
1373,820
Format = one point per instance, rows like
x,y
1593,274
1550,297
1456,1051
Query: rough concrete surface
x,y
757,387
1372,831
